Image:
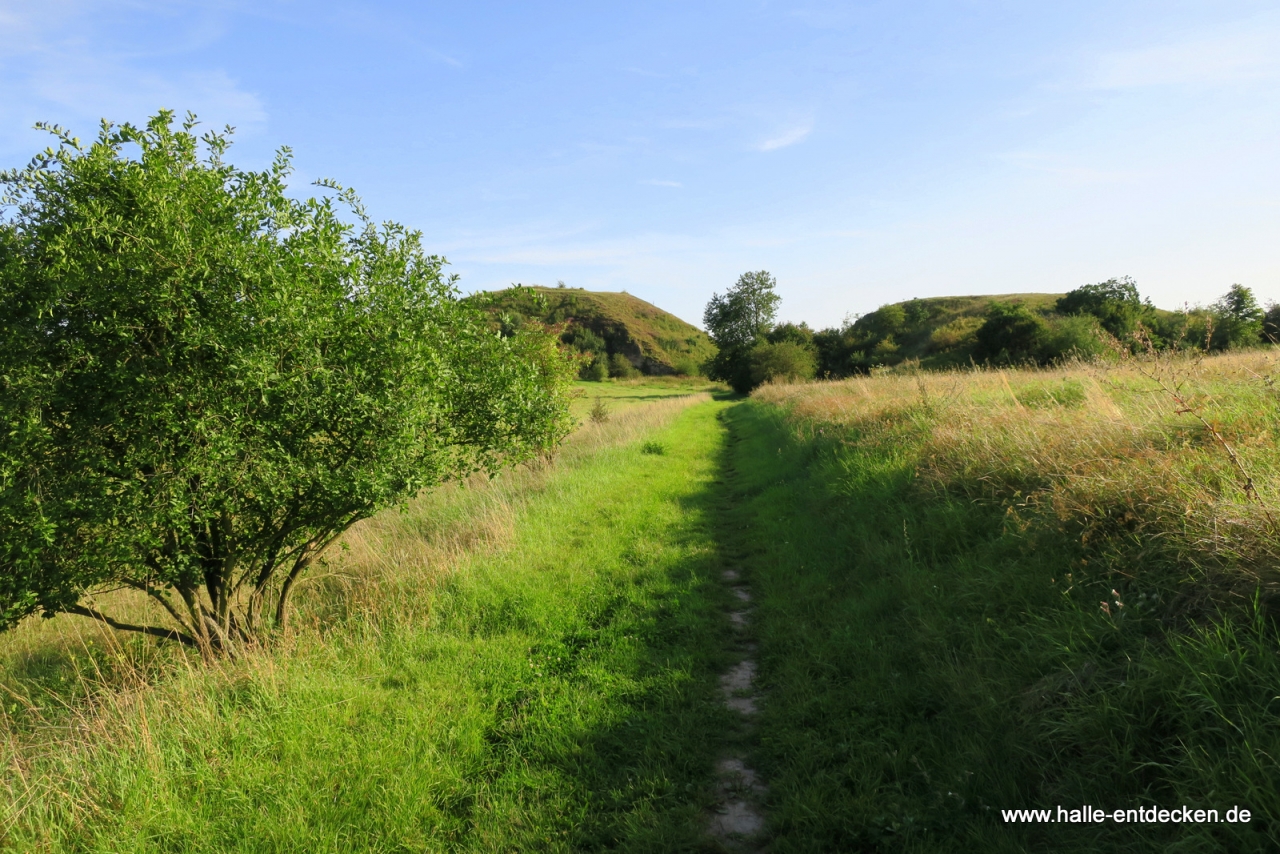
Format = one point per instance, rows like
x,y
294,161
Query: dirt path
x,y
738,819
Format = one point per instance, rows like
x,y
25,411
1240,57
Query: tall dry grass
x,y
1021,588
1168,459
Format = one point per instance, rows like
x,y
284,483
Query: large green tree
x,y
737,321
204,381
1115,303
1237,319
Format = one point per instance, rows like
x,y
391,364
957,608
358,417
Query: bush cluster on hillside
x,y
1037,329
1022,329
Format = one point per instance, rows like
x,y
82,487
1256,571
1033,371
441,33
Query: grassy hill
x,y
941,329
941,332
652,340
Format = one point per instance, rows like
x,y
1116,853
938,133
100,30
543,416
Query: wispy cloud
x,y
789,137
655,182
1245,51
63,69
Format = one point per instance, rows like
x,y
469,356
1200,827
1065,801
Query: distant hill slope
x,y
940,332
653,340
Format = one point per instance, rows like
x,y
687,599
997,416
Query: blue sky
x,y
863,152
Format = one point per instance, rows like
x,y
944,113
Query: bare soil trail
x,y
737,821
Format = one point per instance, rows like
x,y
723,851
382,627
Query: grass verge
x,y
523,665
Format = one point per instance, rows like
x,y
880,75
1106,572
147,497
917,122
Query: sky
x,y
862,152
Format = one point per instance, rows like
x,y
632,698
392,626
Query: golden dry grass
x,y
1171,455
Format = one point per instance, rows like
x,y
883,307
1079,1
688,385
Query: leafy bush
x,y
1271,324
203,381
1010,333
621,368
957,333
783,361
796,333
597,370
584,339
654,448
1115,303
686,366
599,411
1237,319
1077,335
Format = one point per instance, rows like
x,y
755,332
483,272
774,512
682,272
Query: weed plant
x,y
989,590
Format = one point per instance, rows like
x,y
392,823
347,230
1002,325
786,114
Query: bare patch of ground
x,y
738,822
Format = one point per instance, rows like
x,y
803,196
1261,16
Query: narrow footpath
x,y
737,822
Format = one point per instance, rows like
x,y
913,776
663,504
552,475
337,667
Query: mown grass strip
x,y
557,694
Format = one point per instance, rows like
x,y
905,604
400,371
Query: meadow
x,y
973,591
517,664
1018,589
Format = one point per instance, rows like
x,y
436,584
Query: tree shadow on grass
x,y
643,780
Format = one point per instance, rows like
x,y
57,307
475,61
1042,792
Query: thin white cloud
x,y
1244,52
102,89
789,137
655,182
60,68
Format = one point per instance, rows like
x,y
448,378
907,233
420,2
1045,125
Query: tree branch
x,y
154,631
161,598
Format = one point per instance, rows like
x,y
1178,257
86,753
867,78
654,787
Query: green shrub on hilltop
x,y
1115,303
1010,333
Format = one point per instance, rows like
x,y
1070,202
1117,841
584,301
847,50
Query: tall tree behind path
x,y
736,322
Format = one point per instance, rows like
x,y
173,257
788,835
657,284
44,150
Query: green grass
x,y
929,659
620,395
531,664
555,691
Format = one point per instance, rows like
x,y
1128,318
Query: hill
x,y
941,332
609,325
941,329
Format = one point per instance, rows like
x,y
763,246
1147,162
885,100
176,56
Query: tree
x,y
1271,324
1237,319
1010,333
1115,303
621,368
204,382
738,321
